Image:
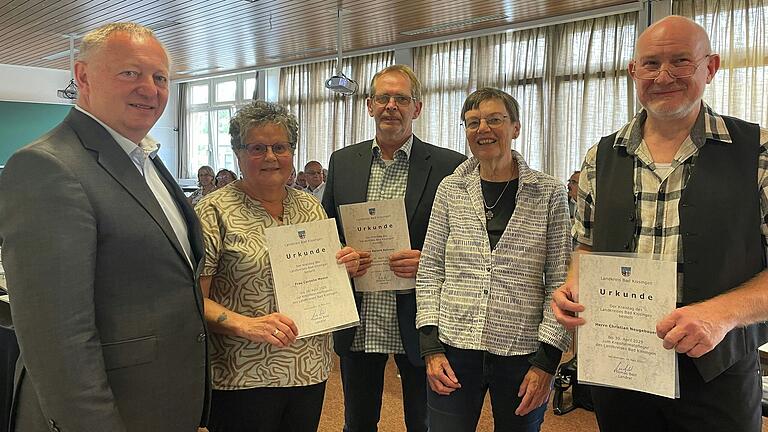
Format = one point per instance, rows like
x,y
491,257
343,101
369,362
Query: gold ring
x,y
275,333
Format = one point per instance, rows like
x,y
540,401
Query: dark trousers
x,y
9,353
479,372
729,403
362,376
267,409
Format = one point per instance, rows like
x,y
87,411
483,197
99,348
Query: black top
x,y
502,197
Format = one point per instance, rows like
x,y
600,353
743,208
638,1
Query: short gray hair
x,y
95,39
404,70
474,100
259,113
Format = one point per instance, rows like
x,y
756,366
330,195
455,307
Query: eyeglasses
x,y
473,124
400,100
260,150
683,69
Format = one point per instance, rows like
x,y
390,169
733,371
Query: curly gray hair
x,y
259,113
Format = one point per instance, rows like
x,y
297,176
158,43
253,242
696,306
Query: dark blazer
x,y
107,310
347,183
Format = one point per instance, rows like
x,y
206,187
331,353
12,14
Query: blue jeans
x,y
479,372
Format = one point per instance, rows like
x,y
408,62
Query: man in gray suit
x,y
100,250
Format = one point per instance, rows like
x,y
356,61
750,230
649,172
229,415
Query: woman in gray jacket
x,y
497,246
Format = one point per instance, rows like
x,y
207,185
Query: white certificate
x,y
310,287
624,298
381,228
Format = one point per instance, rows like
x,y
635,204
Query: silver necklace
x,y
489,209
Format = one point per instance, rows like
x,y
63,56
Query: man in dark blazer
x,y
101,252
395,164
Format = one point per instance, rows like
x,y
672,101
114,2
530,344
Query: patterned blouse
x,y
495,300
236,256
196,196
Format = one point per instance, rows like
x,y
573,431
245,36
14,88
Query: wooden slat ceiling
x,y
239,34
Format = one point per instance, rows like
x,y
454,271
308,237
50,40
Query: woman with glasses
x,y
224,177
263,377
205,183
496,248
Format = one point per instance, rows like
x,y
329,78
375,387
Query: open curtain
x,y
737,29
570,80
182,125
328,120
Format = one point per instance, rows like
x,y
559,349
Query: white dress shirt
x,y
140,154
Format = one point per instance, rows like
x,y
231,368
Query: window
x,y
736,29
212,103
249,86
199,94
570,81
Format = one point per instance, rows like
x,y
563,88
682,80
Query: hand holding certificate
x,y
623,299
310,286
381,228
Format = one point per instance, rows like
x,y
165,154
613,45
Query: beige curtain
x,y
327,120
737,29
570,80
183,170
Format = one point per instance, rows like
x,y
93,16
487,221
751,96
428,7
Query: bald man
x,y
709,219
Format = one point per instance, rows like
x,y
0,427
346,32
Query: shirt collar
x,y
404,152
147,147
709,125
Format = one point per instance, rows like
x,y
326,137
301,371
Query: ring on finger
x,y
276,332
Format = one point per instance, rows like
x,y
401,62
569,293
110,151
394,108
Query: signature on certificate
x,y
320,314
624,369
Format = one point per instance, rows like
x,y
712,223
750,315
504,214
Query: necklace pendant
x,y
488,214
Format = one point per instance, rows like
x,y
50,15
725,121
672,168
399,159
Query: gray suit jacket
x,y
107,310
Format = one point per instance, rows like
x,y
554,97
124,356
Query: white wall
x,y
164,131
31,84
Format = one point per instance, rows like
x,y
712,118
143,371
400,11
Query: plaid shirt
x,y
657,190
379,330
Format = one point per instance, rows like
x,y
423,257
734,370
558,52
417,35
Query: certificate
x,y
310,287
381,228
624,298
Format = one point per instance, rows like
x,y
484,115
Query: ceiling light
x,y
199,71
454,24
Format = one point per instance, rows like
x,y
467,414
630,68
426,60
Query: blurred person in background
x,y
205,182
224,177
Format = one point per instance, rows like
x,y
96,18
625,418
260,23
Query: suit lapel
x,y
116,162
358,172
419,168
190,217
